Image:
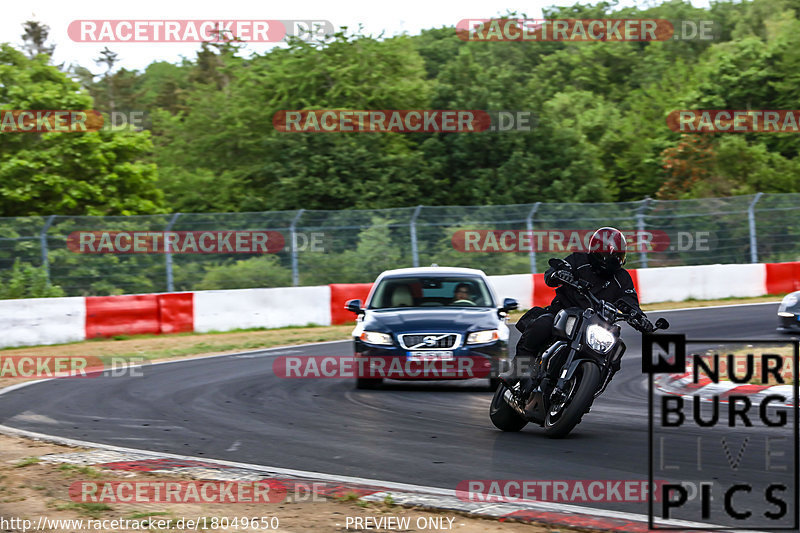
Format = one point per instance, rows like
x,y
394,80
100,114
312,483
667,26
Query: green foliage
x,y
374,250
67,173
600,134
24,280
246,273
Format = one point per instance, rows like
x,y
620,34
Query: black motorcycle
x,y
574,370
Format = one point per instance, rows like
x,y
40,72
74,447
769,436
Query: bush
x,y
247,273
27,281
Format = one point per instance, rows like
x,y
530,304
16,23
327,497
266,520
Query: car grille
x,y
429,341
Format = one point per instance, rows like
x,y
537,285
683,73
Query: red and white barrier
x,y
136,314
340,293
518,286
261,308
58,320
702,282
42,321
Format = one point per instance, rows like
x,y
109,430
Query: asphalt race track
x,y
424,433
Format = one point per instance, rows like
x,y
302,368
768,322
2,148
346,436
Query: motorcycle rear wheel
x,y
581,389
503,416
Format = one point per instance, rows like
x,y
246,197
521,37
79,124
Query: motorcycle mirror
x,y
662,323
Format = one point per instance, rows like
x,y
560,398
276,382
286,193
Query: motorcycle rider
x,y
600,269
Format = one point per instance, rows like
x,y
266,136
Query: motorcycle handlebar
x,y
583,288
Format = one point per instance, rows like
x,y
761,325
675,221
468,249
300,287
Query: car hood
x,y
432,320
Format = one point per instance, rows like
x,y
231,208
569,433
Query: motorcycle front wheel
x,y
503,416
580,389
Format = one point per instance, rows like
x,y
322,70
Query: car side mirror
x,y
510,304
354,306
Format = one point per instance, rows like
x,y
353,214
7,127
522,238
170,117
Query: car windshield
x,y
439,291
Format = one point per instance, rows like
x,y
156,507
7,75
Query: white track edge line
x,y
707,307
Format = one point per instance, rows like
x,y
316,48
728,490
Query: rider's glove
x,y
642,324
564,275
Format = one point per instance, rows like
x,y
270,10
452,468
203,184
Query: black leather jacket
x,y
611,288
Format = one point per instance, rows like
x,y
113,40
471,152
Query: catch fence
x,y
346,246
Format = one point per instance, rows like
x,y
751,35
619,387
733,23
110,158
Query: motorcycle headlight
x,y
790,300
375,337
599,338
481,337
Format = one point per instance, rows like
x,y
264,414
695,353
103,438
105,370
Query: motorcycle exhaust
x,y
511,400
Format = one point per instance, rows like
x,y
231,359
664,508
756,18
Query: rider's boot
x,y
528,380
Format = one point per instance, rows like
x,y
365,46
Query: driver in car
x,y
462,293
600,268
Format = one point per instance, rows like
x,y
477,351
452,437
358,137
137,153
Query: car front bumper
x,y
789,323
467,362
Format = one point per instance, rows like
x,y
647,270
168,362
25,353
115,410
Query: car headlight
x,y
790,300
599,338
482,337
375,337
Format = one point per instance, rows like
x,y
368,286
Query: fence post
x,y
43,242
168,255
751,218
529,227
640,229
292,235
413,229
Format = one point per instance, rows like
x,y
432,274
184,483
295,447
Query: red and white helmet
x,y
607,250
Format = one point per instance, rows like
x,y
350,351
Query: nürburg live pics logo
x,y
723,433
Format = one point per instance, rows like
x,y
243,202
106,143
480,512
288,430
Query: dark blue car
x,y
430,323
789,313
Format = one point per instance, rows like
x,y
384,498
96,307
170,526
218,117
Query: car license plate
x,y
438,355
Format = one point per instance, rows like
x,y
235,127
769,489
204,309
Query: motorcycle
x,y
574,369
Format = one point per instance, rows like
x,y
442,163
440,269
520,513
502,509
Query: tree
x,y
99,173
109,59
35,38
